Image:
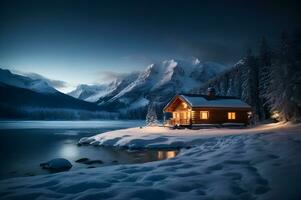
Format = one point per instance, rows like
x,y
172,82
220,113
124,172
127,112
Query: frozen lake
x,y
26,144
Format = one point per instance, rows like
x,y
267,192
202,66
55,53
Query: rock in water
x,y
81,160
87,161
57,165
90,162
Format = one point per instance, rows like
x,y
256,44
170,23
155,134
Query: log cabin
x,y
194,109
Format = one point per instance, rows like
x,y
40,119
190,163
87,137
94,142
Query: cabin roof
x,y
196,100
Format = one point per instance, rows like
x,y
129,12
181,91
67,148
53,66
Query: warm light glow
x,y
231,115
184,105
166,154
275,115
249,114
174,115
204,114
184,114
171,154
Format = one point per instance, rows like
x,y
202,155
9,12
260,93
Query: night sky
x,y
92,41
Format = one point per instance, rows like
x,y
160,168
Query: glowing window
x,y
174,115
184,115
204,114
184,105
231,115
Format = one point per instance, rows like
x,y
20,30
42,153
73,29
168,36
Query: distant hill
x,y
23,97
16,80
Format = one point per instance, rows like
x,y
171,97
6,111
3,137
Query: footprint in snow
x,y
157,177
233,175
215,167
261,189
272,156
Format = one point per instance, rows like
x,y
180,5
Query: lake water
x,y
26,144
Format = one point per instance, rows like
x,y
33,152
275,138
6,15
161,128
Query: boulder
x,y
57,165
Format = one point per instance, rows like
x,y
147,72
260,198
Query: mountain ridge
x,y
155,84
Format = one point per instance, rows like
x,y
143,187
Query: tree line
x,y
270,81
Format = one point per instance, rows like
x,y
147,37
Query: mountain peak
x,y
16,80
158,82
196,61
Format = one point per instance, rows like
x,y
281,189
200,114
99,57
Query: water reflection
x,y
166,154
22,156
70,151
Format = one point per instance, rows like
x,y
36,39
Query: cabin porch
x,y
178,122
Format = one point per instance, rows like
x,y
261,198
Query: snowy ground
x,y
163,137
259,163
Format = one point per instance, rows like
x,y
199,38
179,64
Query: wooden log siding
x,y
218,116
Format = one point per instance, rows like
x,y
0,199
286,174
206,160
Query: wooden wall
x,y
216,115
219,116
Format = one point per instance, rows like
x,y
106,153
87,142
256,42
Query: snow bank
x,y
164,137
265,165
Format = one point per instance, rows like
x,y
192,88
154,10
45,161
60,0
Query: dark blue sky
x,y
82,41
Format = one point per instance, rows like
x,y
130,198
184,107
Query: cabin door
x,y
181,118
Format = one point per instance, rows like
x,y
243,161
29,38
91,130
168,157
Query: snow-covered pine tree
x,y
245,75
297,74
285,80
265,56
151,116
270,82
250,83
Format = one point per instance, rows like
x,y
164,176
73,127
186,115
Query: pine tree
x,y
250,84
284,87
296,76
265,56
151,116
245,84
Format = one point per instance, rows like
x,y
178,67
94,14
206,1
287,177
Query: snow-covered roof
x,y
218,101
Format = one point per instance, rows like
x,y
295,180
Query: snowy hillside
x,y
156,85
36,85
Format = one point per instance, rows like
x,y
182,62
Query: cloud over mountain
x,y
52,82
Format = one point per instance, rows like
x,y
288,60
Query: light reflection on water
x,y
24,145
69,151
166,154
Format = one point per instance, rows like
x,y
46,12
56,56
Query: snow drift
x,y
263,165
162,137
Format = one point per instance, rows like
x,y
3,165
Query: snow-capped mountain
x,y
16,80
26,98
92,93
156,84
89,92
